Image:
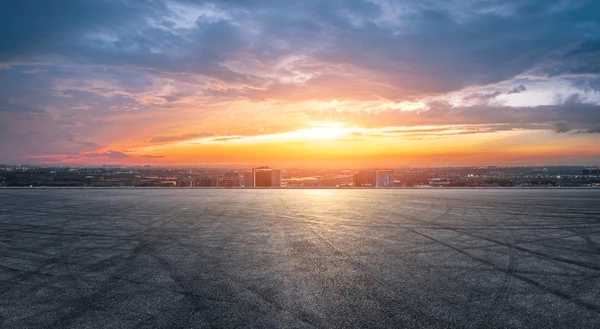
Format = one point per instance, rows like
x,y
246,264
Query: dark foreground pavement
x,y
72,258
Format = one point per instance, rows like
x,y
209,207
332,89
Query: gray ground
x,y
72,258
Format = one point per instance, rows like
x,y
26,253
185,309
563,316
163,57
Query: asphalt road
x,y
131,258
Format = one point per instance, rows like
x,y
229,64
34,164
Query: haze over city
x,y
300,83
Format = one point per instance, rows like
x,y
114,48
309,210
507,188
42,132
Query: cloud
x,y
589,131
413,48
573,99
575,116
164,139
105,68
83,157
226,139
561,127
485,98
587,84
107,154
517,90
481,98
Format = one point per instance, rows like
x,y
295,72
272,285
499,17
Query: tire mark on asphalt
x,y
369,272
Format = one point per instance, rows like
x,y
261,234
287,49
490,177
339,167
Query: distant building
x,y
276,178
384,178
374,178
186,182
231,180
207,182
439,182
365,178
266,177
248,179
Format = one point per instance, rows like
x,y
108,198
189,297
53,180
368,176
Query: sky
x,y
300,83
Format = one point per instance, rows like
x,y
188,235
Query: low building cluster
x,y
266,177
258,177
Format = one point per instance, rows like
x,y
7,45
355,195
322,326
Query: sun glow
x,y
316,131
322,130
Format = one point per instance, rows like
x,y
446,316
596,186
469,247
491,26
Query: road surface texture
x,y
190,258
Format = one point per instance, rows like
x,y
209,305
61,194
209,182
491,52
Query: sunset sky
x,y
300,83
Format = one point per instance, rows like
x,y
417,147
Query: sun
x,y
322,131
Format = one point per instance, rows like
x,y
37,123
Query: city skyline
x,y
268,177
312,84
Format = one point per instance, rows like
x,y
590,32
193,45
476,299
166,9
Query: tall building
x,y
266,177
374,178
186,182
231,180
384,178
248,179
276,178
207,182
365,178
